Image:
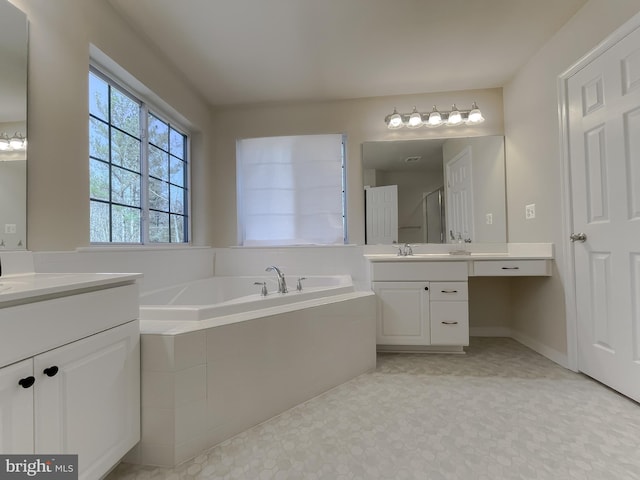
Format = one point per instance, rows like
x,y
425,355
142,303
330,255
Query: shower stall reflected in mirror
x,y
433,215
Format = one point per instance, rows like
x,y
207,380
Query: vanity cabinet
x,y
449,313
82,398
421,303
16,408
70,367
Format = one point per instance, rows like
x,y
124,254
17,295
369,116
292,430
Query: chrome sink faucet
x,y
282,283
405,250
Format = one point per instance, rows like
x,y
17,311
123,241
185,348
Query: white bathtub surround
x,y
295,261
500,412
205,381
214,297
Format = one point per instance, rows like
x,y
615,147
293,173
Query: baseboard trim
x,y
552,354
490,332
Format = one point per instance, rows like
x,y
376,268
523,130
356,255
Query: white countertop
x,y
433,252
23,287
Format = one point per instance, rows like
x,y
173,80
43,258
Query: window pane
x,y
158,227
177,199
125,222
125,187
158,133
125,113
177,144
98,97
158,163
158,195
125,150
99,180
99,224
177,228
177,172
98,139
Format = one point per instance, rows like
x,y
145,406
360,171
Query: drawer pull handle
x,y
27,382
449,291
510,268
51,371
449,323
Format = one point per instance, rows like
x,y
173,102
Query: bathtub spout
x,y
282,283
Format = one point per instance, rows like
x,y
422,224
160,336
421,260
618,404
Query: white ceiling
x,y
392,155
249,51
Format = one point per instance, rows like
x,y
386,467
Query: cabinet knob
x,y
51,371
27,382
426,288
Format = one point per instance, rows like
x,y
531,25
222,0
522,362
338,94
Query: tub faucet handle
x,y
263,291
299,285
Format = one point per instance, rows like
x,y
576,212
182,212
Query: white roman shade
x,y
290,190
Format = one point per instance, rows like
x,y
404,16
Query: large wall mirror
x,y
435,190
13,127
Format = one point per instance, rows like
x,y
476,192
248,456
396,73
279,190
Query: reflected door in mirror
x,y
382,214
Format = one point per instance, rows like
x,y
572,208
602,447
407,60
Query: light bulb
x,y
475,115
434,118
415,119
394,120
16,141
455,117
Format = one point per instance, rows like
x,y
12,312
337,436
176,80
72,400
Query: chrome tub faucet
x,y
282,283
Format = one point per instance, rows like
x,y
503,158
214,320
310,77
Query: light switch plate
x,y
9,228
489,218
530,211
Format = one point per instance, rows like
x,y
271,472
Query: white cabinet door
x,y
90,406
16,407
403,313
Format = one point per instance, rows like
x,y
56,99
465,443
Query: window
x,y
291,190
138,169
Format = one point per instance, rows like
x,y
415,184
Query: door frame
x,y
565,176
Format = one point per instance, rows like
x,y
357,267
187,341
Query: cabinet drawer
x,y
511,268
449,323
416,271
449,291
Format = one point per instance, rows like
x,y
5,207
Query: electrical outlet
x,y
489,217
530,211
9,228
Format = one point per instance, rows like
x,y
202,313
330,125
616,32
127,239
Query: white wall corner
x,y
552,354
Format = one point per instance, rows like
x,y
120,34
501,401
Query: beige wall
x,y
361,120
534,164
60,34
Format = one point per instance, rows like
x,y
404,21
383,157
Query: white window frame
x,y
148,107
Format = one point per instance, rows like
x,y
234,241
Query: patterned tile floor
x,y
500,412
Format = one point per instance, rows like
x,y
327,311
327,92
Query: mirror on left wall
x,y
13,126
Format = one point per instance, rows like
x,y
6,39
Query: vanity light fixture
x,y
16,142
435,118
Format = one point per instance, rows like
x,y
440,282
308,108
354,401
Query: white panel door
x,y
459,196
16,408
88,399
382,214
604,143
